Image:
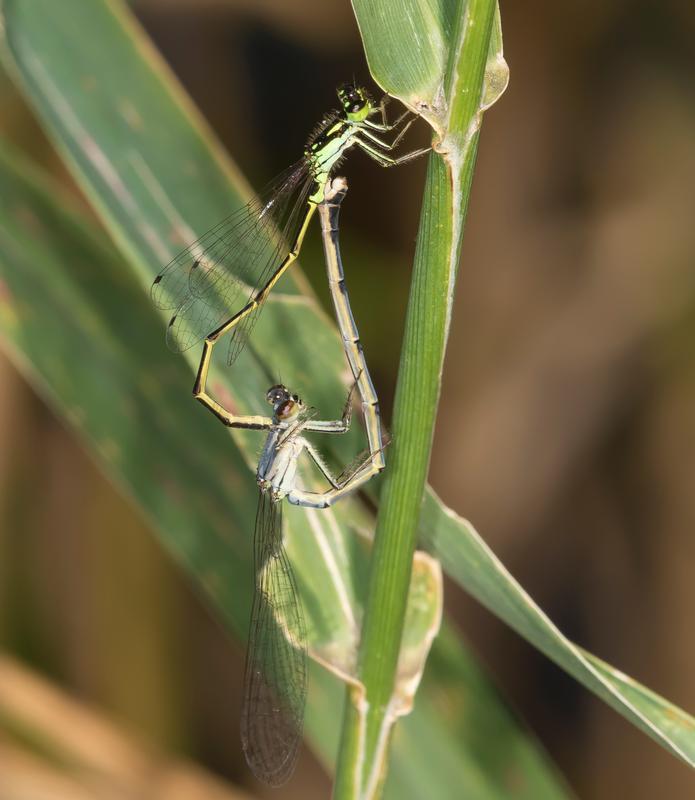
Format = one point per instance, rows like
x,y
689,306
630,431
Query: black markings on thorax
x,y
334,132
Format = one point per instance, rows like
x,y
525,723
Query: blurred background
x,y
567,424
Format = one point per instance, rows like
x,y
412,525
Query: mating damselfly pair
x,y
245,255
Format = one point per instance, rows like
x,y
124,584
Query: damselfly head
x,y
355,101
285,404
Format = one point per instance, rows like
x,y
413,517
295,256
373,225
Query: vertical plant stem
x,y
368,718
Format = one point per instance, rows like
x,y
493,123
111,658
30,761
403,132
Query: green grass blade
x,y
158,180
412,49
466,557
406,46
464,38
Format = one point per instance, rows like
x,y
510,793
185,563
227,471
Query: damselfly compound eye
x,y
277,394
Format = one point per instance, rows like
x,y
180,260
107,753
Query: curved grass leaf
x,y
468,560
411,47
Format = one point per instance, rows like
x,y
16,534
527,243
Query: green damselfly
x,y
251,249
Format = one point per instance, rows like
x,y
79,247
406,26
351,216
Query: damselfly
x,y
275,678
251,249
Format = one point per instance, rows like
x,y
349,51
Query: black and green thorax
x,y
327,145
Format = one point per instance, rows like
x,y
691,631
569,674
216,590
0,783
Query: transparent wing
x,y
275,680
207,283
363,460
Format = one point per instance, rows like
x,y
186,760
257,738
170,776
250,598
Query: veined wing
x,y
204,285
275,680
360,463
